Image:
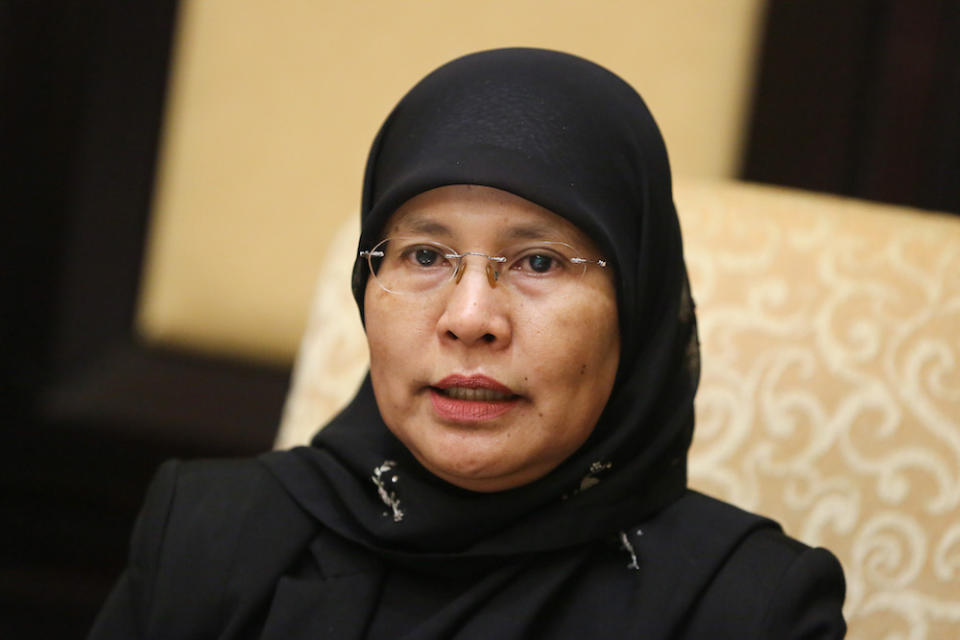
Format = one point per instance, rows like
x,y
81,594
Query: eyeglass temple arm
x,y
601,263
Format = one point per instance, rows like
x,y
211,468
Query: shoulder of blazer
x,y
763,583
229,533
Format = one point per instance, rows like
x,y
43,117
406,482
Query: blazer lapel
x,y
331,594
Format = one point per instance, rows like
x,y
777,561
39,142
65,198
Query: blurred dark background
x,y
88,412
858,97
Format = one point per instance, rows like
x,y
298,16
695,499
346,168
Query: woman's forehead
x,y
465,212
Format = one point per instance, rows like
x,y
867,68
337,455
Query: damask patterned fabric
x,y
830,393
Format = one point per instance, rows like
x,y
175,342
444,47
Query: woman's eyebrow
x,y
424,225
432,227
531,232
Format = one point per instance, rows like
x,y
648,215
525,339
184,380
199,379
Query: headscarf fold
x,y
574,138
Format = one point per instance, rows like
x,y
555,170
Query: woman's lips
x,y
471,398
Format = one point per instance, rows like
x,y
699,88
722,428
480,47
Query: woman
x,y
514,465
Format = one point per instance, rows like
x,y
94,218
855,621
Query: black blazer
x,y
220,550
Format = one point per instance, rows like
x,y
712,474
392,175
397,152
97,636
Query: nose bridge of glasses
x,y
493,275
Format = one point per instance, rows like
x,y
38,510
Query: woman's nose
x,y
475,310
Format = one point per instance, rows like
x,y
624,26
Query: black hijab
x,y
574,138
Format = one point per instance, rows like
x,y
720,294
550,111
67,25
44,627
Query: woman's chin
x,y
475,471
480,482
482,468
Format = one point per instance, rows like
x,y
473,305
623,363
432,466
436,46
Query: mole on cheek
x,y
583,368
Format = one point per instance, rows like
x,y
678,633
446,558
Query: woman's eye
x,y
424,256
540,263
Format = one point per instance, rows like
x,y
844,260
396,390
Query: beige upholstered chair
x,y
830,397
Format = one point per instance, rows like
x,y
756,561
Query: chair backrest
x,y
830,394
263,146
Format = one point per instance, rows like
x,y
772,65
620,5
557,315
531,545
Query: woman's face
x,y
491,387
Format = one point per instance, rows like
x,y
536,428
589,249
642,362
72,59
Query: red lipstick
x,y
471,398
